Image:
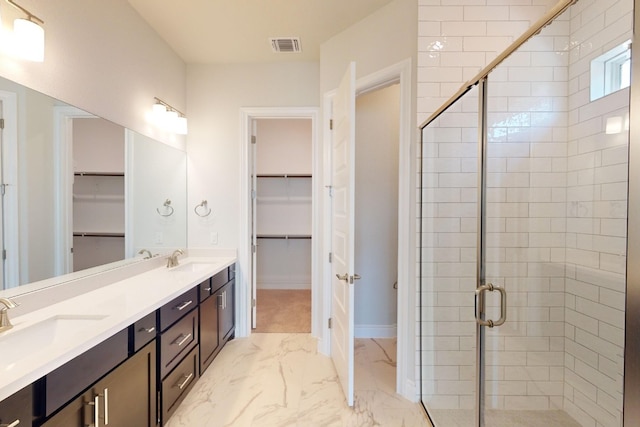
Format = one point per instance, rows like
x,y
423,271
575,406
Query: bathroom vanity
x,y
125,354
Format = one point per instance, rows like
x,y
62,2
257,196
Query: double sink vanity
x,y
122,353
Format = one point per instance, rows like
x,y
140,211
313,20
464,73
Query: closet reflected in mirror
x,y
80,194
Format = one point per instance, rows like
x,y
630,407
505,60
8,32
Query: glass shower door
x,y
555,235
448,263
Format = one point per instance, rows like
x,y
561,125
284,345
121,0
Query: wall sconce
x,y
169,118
28,35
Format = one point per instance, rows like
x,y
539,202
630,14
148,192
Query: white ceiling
x,y
229,31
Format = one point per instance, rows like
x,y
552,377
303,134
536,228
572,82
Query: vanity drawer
x,y
178,383
69,380
177,341
219,280
175,309
144,330
205,289
18,407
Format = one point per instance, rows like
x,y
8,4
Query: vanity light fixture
x,y
28,35
169,118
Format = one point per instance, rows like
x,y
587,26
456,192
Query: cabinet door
x,y
125,397
208,331
129,392
227,312
17,407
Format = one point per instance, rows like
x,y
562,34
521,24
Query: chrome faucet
x,y
142,251
5,323
172,261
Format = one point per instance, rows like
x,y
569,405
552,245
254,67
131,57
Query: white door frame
x,y
247,115
10,173
405,371
63,186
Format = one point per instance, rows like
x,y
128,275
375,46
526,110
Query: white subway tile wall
x,y
556,212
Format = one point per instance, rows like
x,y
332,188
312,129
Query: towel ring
x,y
203,205
167,207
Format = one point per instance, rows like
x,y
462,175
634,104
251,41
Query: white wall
x,y
216,94
376,211
102,57
386,37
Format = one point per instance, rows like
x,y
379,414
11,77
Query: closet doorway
x,y
282,224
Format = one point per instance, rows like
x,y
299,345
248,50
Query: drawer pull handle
x,y
96,410
106,406
182,339
13,424
147,330
185,382
184,305
207,289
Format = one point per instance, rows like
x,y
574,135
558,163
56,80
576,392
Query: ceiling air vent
x,y
285,45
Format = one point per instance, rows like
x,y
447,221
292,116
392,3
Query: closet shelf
x,y
286,175
104,197
284,236
96,234
98,174
281,199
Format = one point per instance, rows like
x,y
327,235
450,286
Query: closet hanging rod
x,y
97,234
283,236
286,175
98,173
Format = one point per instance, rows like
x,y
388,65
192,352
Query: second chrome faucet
x,y
172,261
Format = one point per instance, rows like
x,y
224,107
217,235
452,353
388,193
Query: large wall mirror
x,y
81,194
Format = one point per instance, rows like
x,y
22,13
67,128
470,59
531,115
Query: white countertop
x,y
79,323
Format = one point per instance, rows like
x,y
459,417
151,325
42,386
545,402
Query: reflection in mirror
x,y
156,191
63,178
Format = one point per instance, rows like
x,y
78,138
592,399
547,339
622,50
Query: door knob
x,y
344,277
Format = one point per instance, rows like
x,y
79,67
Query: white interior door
x,y
342,212
254,223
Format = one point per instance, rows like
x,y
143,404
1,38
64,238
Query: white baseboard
x,y
282,285
376,331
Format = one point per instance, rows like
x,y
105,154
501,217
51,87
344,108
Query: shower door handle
x,y
480,305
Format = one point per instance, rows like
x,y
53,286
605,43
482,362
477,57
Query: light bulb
x,y
29,40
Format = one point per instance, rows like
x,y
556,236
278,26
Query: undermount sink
x,y
19,342
193,267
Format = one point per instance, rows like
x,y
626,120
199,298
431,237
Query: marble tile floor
x,y
279,380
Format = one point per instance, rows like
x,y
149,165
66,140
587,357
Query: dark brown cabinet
x,y
217,316
139,376
125,397
17,409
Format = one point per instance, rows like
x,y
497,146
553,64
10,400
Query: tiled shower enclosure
x,y
551,226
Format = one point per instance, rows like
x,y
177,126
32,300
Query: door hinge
x,y
71,250
253,302
253,139
330,124
329,323
3,189
4,254
330,257
253,194
1,123
254,248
